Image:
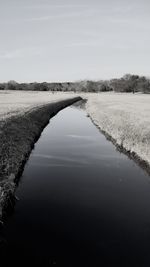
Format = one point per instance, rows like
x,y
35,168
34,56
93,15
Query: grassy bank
x,y
125,119
17,137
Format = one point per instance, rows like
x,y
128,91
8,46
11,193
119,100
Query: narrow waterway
x,y
81,202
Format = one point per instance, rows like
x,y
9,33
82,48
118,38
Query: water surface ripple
x,y
82,203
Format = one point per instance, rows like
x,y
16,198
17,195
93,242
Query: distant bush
x,y
128,83
2,86
92,86
131,83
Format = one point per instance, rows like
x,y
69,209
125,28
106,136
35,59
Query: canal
x,y
81,202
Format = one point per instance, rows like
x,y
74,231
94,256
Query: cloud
x,y
11,54
83,44
67,14
22,53
81,14
65,6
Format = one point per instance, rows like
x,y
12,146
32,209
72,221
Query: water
x,y
82,203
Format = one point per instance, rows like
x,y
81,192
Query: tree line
x,y
128,83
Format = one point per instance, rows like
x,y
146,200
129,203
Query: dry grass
x,y
125,117
17,137
17,102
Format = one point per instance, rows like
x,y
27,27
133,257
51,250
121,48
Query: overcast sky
x,y
68,40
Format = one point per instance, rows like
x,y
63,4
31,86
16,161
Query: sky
x,y
72,40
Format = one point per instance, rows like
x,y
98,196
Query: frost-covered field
x,y
125,117
17,102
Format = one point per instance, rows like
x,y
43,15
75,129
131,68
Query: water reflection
x,y
82,203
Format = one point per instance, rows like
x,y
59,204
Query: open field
x,y
125,118
17,102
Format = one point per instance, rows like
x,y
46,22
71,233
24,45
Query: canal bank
x,y
17,137
82,203
124,118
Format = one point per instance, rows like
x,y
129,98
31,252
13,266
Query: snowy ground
x,y
125,117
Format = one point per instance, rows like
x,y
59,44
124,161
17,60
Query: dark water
x,y
82,203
